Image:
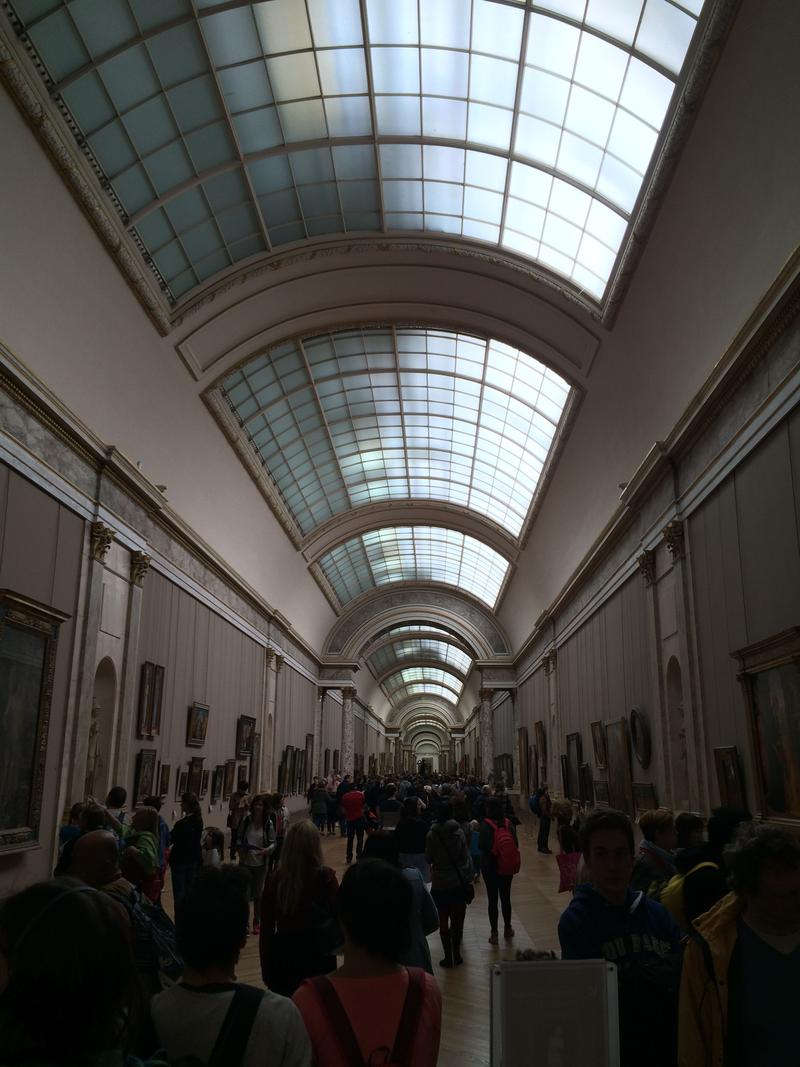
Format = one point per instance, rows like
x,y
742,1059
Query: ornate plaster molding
x,y
101,537
55,137
674,535
485,695
140,564
647,565
550,661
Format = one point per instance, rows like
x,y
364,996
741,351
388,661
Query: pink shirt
x,y
374,1007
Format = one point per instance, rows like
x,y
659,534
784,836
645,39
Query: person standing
x,y
353,806
447,852
238,807
318,803
499,849
545,809
186,852
256,843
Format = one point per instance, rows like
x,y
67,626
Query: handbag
x,y
468,887
568,863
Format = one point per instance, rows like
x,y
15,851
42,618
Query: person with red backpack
x,y
372,1010
500,861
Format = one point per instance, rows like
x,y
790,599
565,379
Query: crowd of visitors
x,y
702,922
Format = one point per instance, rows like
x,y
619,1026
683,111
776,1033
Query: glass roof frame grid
x,y
411,650
412,673
690,11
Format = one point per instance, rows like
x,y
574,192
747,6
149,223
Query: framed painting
x,y
163,783
252,769
541,740
217,779
308,757
228,782
28,641
204,783
181,783
601,794
143,718
620,783
156,702
326,766
242,775
564,775
729,777
598,744
197,725
336,767
533,756
586,789
245,731
195,775
640,737
644,797
145,775
770,675
574,761
522,757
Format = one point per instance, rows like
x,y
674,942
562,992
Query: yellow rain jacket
x,y
703,1014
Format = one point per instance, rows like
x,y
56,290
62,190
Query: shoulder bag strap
x,y
410,1019
234,1034
338,1019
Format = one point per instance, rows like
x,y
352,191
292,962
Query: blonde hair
x,y
654,821
145,819
301,856
563,811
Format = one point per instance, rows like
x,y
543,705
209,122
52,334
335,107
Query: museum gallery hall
x,y
399,385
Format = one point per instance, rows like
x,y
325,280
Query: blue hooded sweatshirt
x,y
643,940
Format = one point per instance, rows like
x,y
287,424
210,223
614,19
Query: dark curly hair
x,y
760,847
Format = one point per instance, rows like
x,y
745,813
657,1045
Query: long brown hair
x,y
301,856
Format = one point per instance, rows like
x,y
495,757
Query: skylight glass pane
x,y
585,84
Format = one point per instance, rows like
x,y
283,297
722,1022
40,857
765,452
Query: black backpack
x,y
231,1043
155,946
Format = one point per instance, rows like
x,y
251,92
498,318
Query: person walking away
x,y
209,1007
411,833
186,855
373,1010
606,919
353,806
475,848
238,807
741,970
500,861
447,852
424,916
318,802
299,929
545,808
257,840
332,807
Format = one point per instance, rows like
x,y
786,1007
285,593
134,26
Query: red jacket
x,y
353,805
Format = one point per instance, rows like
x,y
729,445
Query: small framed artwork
x,y
229,779
241,775
574,761
564,775
197,725
327,763
145,774
217,780
619,766
640,737
204,783
156,701
245,730
644,797
586,790
599,744
163,784
336,768
309,755
254,758
143,718
195,775
541,741
729,778
600,790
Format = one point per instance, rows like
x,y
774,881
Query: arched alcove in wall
x,y
676,736
98,758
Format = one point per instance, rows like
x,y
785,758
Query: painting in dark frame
x,y
524,766
228,783
255,755
601,795
541,741
197,725
28,641
644,797
195,775
564,775
217,779
181,782
598,744
729,778
204,783
163,783
245,730
586,786
307,765
620,782
145,775
327,764
574,761
156,702
336,767
143,720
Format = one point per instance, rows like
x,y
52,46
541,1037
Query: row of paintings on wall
x,y
153,779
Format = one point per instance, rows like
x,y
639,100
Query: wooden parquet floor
x,y
465,990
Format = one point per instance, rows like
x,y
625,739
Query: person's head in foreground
x,y
607,846
764,863
374,905
68,985
658,827
211,925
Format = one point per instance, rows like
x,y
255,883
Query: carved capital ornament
x,y
101,538
550,661
674,538
647,565
140,565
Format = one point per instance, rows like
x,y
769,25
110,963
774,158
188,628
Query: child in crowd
x,y
474,847
213,845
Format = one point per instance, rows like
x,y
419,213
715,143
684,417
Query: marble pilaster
x,y
348,731
486,726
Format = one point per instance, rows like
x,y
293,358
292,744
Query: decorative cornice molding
x,y
140,565
26,89
647,565
675,539
100,539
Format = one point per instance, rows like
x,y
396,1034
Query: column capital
x,y
101,537
550,661
647,565
348,693
321,691
675,539
140,565
485,695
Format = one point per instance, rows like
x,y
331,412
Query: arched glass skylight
x,y
357,417
418,689
412,675
424,649
229,129
414,554
417,628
